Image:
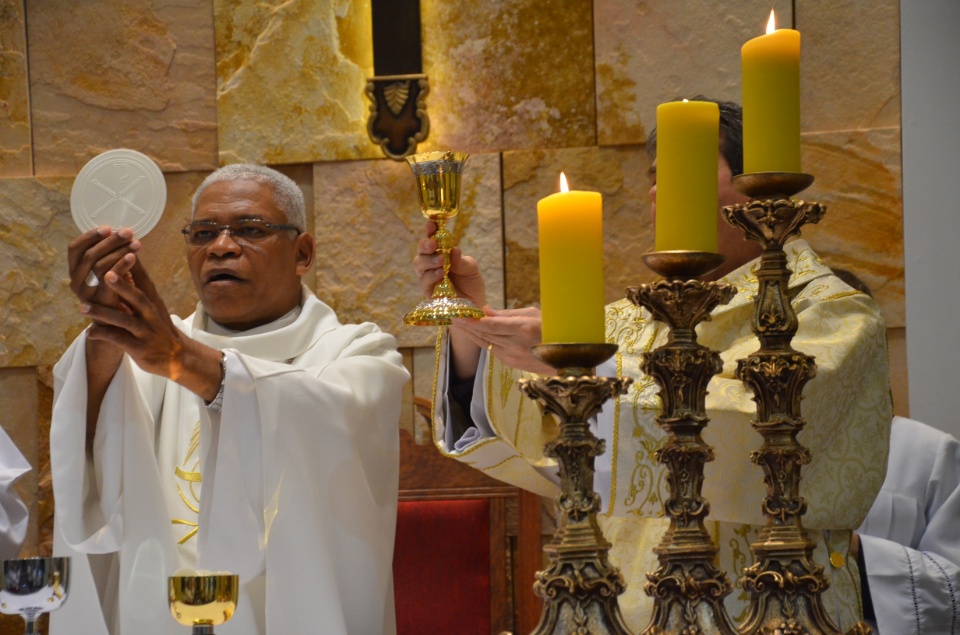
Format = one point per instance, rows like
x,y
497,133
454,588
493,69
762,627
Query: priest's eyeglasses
x,y
244,231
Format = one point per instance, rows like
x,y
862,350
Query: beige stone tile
x,y
652,52
38,313
15,149
858,177
18,394
620,174
899,384
140,78
368,225
290,80
509,75
850,70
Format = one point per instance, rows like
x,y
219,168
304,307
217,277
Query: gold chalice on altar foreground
x,y
438,188
203,600
34,586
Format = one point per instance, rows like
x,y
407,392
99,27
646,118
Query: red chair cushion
x,y
441,567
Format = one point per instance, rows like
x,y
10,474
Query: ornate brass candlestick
x,y
34,586
688,588
438,188
203,601
785,583
580,587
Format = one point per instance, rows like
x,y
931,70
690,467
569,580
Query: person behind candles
x,y
257,436
482,419
909,540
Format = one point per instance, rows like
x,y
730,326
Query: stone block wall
x,y
528,87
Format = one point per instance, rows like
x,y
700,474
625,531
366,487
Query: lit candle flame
x,y
563,183
771,23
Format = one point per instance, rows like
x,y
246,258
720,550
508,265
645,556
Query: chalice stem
x,y
444,246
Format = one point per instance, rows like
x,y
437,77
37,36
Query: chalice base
x,y
440,311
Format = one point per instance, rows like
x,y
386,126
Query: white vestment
x,y
911,537
13,513
299,482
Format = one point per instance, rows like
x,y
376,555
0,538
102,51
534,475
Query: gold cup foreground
x,y
438,188
33,586
203,601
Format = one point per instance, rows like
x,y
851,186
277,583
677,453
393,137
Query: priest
x,y
483,420
257,436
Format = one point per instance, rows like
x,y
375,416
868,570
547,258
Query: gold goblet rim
x,y
437,161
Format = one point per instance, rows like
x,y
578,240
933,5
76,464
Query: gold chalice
x,y
33,586
203,601
438,187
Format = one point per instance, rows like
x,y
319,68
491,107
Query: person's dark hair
x,y
731,133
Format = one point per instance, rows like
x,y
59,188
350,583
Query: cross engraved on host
x,y
118,195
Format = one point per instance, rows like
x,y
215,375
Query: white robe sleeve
x,y
89,500
911,537
13,512
486,446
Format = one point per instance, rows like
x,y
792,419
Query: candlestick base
x,y
580,587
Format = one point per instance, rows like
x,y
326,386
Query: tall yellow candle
x,y
570,228
688,147
771,101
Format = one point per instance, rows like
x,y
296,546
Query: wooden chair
x,y
467,547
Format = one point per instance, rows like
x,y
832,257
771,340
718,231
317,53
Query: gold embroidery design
x,y
190,496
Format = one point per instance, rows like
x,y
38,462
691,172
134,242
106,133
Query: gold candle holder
x,y
688,588
438,188
580,587
203,601
785,583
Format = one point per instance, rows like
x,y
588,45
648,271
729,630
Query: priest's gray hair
x,y
286,194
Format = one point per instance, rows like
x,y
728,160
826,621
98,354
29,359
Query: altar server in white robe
x,y
910,540
13,513
257,436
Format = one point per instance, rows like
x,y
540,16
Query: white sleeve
x,y
481,428
13,513
913,592
912,557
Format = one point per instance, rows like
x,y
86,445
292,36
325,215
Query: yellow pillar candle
x,y
688,146
570,228
771,101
